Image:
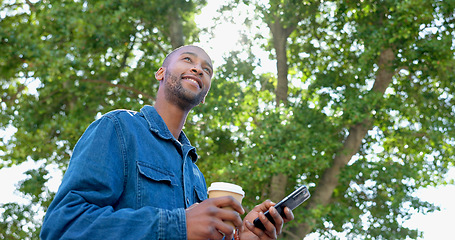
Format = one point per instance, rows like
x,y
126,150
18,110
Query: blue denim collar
x,y
159,127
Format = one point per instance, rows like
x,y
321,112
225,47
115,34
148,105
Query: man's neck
x,y
173,116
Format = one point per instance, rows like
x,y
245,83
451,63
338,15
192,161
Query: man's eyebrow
x,y
194,54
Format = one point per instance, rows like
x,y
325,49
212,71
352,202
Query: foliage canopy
x,y
361,110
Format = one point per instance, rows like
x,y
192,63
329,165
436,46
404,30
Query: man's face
x,y
187,77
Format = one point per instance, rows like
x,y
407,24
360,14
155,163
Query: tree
x,y
361,110
89,57
377,115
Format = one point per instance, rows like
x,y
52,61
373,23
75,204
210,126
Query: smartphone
x,y
292,201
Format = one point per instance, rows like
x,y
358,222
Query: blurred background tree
x,y
361,108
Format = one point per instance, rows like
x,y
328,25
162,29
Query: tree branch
x,y
105,82
330,178
14,96
31,5
127,53
158,45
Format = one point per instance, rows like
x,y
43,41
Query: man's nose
x,y
196,70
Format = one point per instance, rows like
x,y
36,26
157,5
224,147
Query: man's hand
x,y
249,231
205,220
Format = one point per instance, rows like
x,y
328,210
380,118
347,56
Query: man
x,y
133,175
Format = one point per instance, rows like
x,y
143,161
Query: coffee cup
x,y
221,189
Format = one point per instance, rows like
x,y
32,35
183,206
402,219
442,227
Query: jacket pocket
x,y
156,174
200,195
156,187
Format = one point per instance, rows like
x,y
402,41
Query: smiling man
x,y
174,75
133,175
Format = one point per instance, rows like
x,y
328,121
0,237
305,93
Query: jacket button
x,y
188,202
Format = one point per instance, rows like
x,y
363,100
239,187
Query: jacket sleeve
x,y
83,207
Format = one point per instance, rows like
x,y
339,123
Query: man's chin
x,y
186,103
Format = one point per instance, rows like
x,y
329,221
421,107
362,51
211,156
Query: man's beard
x,y
177,94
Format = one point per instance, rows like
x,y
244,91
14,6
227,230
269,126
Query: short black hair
x,y
166,60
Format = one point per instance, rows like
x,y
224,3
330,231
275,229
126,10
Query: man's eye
x,y
187,59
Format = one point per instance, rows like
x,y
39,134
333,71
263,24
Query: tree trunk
x,y
175,28
278,187
322,194
280,36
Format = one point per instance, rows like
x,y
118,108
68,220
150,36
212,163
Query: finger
x,y
264,206
269,203
229,201
270,229
229,215
277,219
215,233
225,214
258,232
289,214
229,236
225,229
192,206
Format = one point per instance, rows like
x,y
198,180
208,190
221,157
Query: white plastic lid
x,y
224,186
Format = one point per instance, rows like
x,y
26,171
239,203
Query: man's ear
x,y
159,75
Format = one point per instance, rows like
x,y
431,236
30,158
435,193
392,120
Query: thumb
x,y
192,206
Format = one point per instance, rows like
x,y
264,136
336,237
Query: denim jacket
x,y
128,178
